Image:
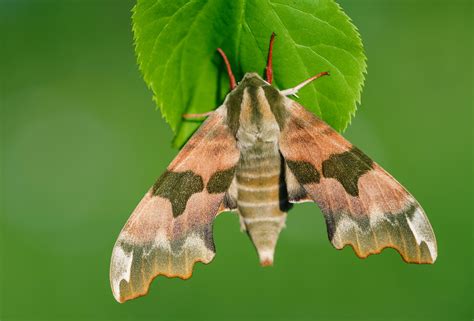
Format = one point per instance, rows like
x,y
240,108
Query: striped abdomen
x,y
261,197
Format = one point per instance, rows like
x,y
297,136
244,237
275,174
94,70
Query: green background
x,y
81,142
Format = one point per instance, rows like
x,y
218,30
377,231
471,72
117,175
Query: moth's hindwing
x,y
363,205
171,228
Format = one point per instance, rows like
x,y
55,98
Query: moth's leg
x,y
294,90
269,69
233,84
194,116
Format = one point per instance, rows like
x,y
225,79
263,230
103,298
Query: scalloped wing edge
x,y
152,260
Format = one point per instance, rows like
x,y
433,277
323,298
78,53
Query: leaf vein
x,y
163,29
313,16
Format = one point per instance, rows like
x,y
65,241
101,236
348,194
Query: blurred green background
x,y
81,142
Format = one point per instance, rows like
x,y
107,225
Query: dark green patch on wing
x,y
220,181
347,168
178,188
304,172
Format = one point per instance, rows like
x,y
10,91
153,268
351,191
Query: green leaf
x,y
176,42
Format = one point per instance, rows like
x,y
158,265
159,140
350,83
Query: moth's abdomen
x,y
260,200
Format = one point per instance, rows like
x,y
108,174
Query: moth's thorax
x,y
257,122
251,111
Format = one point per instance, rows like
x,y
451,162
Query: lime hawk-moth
x,y
256,154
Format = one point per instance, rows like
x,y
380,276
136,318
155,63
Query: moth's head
x,y
251,83
252,79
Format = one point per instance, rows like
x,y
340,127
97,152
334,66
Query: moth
x,y
257,154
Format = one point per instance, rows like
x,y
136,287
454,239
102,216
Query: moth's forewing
x,y
171,228
364,206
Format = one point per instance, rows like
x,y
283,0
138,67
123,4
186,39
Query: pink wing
x,y
363,205
171,228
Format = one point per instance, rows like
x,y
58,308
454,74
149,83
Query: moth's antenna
x,y
269,69
233,84
194,116
294,90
